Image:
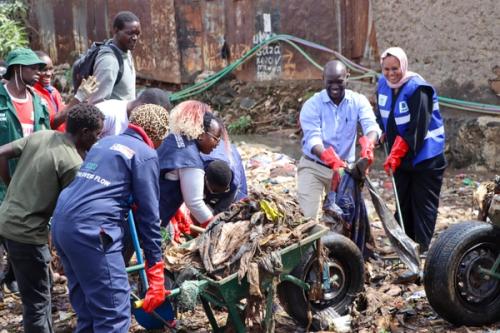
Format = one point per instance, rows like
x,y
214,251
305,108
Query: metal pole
x,y
137,248
398,207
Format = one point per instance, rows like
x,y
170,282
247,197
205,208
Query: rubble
x,y
383,307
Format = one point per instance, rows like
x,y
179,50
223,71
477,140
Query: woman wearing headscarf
x,y
409,112
194,129
88,223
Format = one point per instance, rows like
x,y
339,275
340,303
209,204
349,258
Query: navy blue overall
x,y
88,228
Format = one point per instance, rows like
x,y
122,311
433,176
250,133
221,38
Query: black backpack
x,y
83,67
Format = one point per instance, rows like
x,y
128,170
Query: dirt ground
x,y
388,307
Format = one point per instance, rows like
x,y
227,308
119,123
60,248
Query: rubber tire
x,y
441,264
342,249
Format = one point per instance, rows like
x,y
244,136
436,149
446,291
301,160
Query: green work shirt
x,y
10,126
48,162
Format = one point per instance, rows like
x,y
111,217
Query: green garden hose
x,y
293,41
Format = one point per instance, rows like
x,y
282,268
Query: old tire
x,y
345,262
455,288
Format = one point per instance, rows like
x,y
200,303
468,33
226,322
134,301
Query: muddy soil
x,y
384,306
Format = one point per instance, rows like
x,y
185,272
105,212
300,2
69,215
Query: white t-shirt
x,y
115,116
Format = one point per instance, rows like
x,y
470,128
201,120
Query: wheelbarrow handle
x,y
197,229
155,314
137,249
138,303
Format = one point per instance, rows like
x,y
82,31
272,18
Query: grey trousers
x,y
313,182
31,268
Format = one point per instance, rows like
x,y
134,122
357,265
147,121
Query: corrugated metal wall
x,y
183,38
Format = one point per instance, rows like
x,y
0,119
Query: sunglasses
x,y
217,139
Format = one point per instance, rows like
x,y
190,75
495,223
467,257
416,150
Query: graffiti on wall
x,y
214,61
268,58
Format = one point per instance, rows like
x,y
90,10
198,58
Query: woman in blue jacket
x,y
194,129
409,112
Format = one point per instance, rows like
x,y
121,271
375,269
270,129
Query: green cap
x,y
23,56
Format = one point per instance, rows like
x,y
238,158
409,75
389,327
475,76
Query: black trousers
x,y
6,272
31,268
418,192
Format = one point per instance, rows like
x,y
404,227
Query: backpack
x,y
83,67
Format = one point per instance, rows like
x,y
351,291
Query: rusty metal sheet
x,y
356,15
240,29
214,30
183,38
315,23
189,38
81,22
341,25
157,54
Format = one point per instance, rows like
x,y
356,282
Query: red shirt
x,y
25,112
54,103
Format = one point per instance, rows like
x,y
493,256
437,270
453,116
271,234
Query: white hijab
x,y
399,54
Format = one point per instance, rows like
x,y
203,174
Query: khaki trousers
x,y
313,182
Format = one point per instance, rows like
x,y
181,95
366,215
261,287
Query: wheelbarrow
x,y
300,277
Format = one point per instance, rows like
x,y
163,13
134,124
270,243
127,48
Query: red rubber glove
x,y
330,158
155,296
184,221
176,233
367,147
398,151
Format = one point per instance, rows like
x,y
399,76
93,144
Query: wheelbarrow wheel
x,y
454,284
346,270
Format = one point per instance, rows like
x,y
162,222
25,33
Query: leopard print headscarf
x,y
153,119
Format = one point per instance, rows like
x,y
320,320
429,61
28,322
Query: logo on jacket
x,y
403,107
382,99
126,151
179,141
91,166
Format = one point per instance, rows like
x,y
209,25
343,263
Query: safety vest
x,y
434,139
176,152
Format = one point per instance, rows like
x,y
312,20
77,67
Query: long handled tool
x,y
162,316
396,197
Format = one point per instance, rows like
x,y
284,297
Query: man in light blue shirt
x,y
329,121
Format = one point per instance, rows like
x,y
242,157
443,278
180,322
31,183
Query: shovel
x,y
396,197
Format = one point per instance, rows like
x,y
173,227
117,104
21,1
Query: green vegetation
x,y
240,126
13,18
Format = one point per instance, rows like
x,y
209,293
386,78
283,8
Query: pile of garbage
x,y
260,107
271,170
251,229
244,241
